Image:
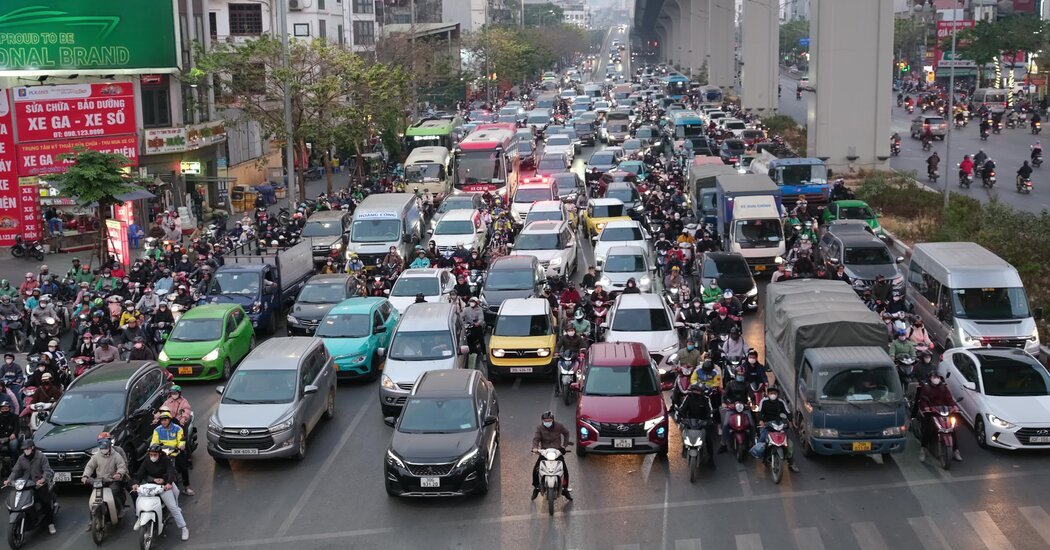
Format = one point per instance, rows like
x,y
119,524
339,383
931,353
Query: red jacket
x,y
966,166
936,396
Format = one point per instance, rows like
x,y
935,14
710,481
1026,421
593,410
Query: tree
x,y
987,41
95,178
908,36
543,15
790,35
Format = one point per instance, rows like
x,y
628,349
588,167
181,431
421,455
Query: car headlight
x,y
498,352
555,262
753,292
1035,335
999,422
292,320
893,431
162,356
600,226
897,281
214,427
282,426
653,422
211,356
388,383
605,281
337,246
967,340
469,457
359,359
638,207
644,281
256,307
825,432
859,284
543,352
393,460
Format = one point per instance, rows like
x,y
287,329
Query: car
x,y
636,167
1003,393
621,406
937,126
553,243
616,131
538,120
623,263
853,210
464,201
511,276
273,402
584,131
552,163
119,398
320,294
633,147
601,212
734,125
526,154
864,256
568,186
434,284
697,146
752,136
326,231
559,144
731,151
527,194
730,271
621,185
207,342
570,132
446,440
524,339
459,229
354,331
605,160
601,107
551,210
643,318
616,233
804,84
651,136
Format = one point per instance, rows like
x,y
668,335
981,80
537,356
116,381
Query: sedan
x,y
559,144
730,272
621,233
604,160
633,147
207,342
646,319
316,299
732,150
434,284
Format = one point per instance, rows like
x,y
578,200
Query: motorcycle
x,y
552,472
26,514
895,148
932,175
694,447
16,336
945,421
1037,161
984,134
40,412
758,391
44,333
568,369
740,427
102,509
1036,127
910,108
1024,185
988,179
23,248
776,448
151,517
966,180
927,144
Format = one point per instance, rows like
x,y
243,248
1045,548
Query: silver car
x,y
275,398
623,263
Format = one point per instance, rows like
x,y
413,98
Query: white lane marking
x,y
986,529
1039,519
647,467
868,537
750,541
928,533
808,538
687,544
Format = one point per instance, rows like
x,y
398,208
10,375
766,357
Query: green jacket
x,y
111,282
82,277
902,347
711,294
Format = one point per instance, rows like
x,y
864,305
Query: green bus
x,y
428,132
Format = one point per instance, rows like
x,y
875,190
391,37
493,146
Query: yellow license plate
x,y
189,370
861,446
760,268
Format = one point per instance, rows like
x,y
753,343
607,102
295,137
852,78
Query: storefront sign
x,y
191,168
117,241
40,37
69,111
36,159
10,211
29,201
187,138
204,134
944,32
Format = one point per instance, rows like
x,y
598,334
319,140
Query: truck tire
x,y
271,323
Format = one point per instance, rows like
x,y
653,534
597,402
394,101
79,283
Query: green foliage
x,y
790,33
515,56
778,124
908,35
543,15
988,40
93,177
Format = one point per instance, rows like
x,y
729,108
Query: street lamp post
x,y
950,113
289,153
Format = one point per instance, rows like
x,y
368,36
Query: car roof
x,y
209,311
329,278
1002,355
618,354
605,202
850,202
110,376
719,257
520,307
425,316
544,226
513,261
357,305
535,185
860,238
639,301
445,383
547,206
460,214
848,227
623,223
326,215
421,272
280,353
625,250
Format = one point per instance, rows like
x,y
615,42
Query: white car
x,y
643,318
602,107
434,284
525,196
559,144
553,243
621,233
1004,393
734,125
459,229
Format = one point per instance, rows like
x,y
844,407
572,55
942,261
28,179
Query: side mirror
x,y
381,352
575,386
970,386
605,325
1037,314
430,231
666,386
220,389
390,420
490,420
673,359
310,390
464,350
268,290
900,259
379,329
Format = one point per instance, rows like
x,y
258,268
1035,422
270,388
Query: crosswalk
x,y
975,530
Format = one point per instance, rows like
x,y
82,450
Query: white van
x,y
993,98
427,168
382,221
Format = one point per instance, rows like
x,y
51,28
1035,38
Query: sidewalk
x,y
14,269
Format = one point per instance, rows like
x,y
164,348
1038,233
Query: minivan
x,y
993,98
510,276
382,221
969,297
326,231
274,399
426,338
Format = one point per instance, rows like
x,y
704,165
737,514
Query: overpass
x,y
851,64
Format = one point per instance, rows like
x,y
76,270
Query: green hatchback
x,y
207,342
852,210
354,331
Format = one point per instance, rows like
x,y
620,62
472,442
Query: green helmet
x,y
5,283
99,302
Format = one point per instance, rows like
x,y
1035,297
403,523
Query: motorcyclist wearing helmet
x,y
754,370
159,469
178,406
421,261
10,427
901,346
935,394
696,406
918,335
736,391
29,284
171,435
550,435
720,322
571,340
711,292
582,325
100,324
707,375
149,300
140,351
105,351
84,346
106,281
33,467
735,346
43,310
771,409
8,308
111,464
731,303
7,290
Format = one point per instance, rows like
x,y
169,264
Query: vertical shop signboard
x,y
10,211
117,241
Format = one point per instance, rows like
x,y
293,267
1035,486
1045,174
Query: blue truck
x,y
263,284
797,177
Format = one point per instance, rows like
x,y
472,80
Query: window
x,y
246,19
385,309
966,367
364,6
322,30
156,110
238,316
231,325
364,33
377,320
213,26
152,382
341,39
320,6
301,29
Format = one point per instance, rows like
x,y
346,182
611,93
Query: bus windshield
x,y
424,173
475,167
689,129
802,174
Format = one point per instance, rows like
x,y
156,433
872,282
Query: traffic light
x,y
904,66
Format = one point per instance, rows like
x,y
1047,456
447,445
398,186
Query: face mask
x,y
690,347
548,424
571,333
9,361
153,458
773,396
29,452
752,360
739,378
721,316
138,346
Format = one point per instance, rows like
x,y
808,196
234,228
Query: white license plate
x,y
63,476
1039,439
623,443
521,370
430,482
244,451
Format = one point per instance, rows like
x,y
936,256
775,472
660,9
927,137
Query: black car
x,y
320,294
731,272
119,398
651,136
585,131
445,440
731,151
700,146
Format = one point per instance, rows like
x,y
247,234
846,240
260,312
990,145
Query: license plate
x,y
63,476
861,446
623,443
521,370
244,451
186,370
1039,439
760,268
430,482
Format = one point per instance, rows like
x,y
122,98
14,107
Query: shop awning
x,y
134,195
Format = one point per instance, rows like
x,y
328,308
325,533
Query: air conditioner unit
x,y
296,5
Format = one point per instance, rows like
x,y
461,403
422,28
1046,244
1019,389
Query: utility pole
x,y
289,142
413,53
950,115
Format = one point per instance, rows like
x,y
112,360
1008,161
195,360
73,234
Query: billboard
x,y
44,113
60,37
944,31
42,158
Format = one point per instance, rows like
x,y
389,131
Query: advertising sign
x,y
44,113
944,32
117,241
37,159
186,138
55,36
10,211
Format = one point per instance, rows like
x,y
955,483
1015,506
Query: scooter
x,y
26,514
758,391
102,509
740,426
27,248
895,148
1036,127
16,336
945,421
1037,161
552,473
568,367
988,180
965,181
932,175
776,448
151,518
40,412
1024,185
694,445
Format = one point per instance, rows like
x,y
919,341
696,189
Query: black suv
x,y
119,398
445,440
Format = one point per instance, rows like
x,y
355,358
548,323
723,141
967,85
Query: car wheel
x,y
300,445
329,409
227,369
374,364
581,451
980,433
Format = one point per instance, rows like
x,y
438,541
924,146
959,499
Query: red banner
x,y
70,111
37,159
10,212
117,241
29,202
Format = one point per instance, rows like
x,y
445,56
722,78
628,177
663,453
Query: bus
x,y
676,86
688,124
711,95
427,169
487,160
431,132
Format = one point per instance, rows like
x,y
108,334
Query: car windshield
x,y
454,227
726,268
347,325
990,303
641,320
542,215
583,127
620,381
88,407
438,416
621,234
323,293
855,213
260,387
533,194
421,345
736,125
618,127
196,330
327,228
424,172
624,263
1008,377
758,232
479,166
624,193
559,140
522,325
556,163
879,384
524,147
867,255
539,119
509,279
632,144
602,159
410,286
234,283
537,241
734,146
565,182
644,133
454,203
753,134
376,230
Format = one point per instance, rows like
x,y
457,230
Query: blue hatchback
x,y
354,331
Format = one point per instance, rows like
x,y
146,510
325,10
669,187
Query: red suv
x,y
621,407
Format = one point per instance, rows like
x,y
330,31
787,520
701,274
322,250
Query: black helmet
x,y
696,388
547,415
155,448
734,331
